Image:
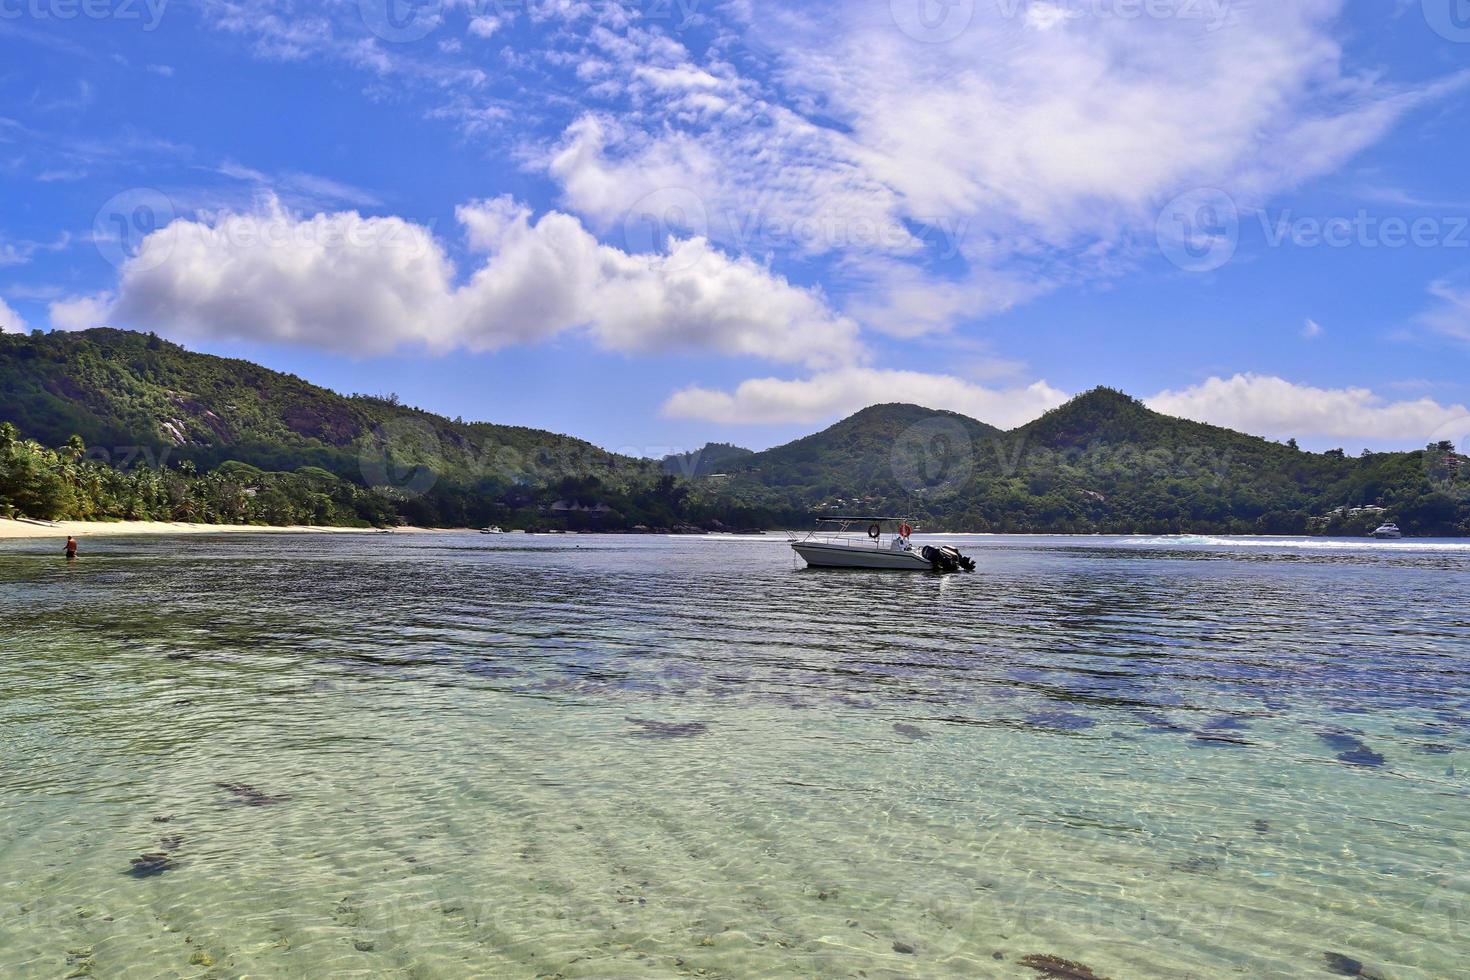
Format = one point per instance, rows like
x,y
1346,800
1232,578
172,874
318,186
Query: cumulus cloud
x,y
10,321
80,312
832,394
1276,408
338,281
355,284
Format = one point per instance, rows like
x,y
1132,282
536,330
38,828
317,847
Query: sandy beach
x,y
10,529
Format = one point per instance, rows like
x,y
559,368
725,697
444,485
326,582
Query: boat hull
x,y
820,555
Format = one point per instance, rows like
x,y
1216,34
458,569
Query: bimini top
x,y
860,520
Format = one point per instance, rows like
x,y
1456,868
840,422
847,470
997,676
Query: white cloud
x,y
553,275
1054,135
352,284
1311,329
484,25
1450,316
10,321
80,312
834,394
1280,409
338,281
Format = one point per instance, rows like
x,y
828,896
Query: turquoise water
x,y
637,757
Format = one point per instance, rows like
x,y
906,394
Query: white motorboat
x,y
1388,532
491,530
894,552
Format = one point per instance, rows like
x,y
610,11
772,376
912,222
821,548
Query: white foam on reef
x,y
1304,544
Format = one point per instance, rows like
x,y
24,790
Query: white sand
x,y
85,529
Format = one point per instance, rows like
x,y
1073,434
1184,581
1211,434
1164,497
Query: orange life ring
x,y
905,530
875,531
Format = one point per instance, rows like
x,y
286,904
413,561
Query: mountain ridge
x,y
1103,461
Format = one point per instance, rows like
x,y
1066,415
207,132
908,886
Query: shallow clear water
x,y
599,756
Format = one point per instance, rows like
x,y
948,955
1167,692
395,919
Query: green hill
x,y
714,458
139,403
110,424
115,388
1102,463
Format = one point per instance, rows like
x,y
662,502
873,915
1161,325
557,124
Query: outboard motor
x,y
947,559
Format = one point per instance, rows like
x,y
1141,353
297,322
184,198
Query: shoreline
x,y
20,530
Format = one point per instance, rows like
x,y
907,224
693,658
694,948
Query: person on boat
x,y
900,543
71,548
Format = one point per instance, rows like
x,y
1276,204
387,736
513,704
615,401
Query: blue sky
x,y
654,223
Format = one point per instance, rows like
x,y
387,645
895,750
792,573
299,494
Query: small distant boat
x,y
834,549
491,530
1388,532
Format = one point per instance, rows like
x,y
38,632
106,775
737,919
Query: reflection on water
x,y
438,757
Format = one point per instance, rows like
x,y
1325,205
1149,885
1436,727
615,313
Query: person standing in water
x,y
71,548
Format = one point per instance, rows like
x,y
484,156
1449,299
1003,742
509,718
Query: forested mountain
x,y
122,401
1101,463
110,424
713,459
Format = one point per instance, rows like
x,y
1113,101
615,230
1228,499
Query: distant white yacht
x,y
491,530
1388,532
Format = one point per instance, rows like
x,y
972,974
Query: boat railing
x,y
842,530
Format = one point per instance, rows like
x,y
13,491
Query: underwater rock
x,y
363,946
1060,721
1363,756
1226,723
1056,968
171,843
152,864
1436,749
1341,741
668,729
250,796
163,819
904,948
1261,827
910,731
1348,967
